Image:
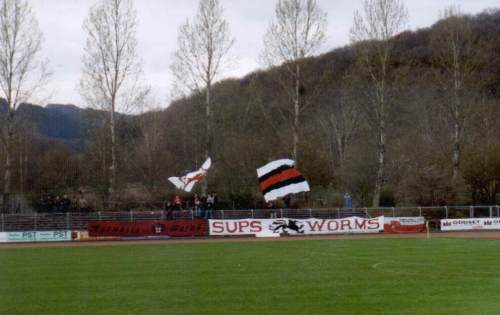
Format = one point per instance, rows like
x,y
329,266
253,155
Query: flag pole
x,y
427,228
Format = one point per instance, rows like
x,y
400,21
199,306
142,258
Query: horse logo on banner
x,y
286,225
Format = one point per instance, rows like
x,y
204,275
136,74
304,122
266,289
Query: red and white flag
x,y
188,181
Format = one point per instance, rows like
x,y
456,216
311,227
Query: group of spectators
x,y
50,203
62,203
202,206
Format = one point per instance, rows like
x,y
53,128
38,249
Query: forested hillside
x,y
435,153
337,151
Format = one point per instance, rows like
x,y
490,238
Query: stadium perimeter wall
x,y
59,226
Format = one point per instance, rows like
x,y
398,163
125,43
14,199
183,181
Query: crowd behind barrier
x,y
85,202
79,220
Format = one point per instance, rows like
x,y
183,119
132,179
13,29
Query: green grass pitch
x,y
397,276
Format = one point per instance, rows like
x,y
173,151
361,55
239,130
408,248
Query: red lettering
x,y
335,223
344,224
217,227
313,225
242,225
231,230
373,224
255,227
358,225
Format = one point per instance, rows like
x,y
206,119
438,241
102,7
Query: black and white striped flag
x,y
280,178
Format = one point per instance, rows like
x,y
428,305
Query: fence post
x,y
131,216
36,223
419,211
162,215
252,214
222,211
192,215
498,211
281,211
338,213
393,212
310,213
3,224
446,211
68,224
99,215
471,212
366,212
491,212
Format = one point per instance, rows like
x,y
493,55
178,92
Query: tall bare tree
x,y
111,68
341,120
202,54
150,147
371,33
456,53
296,33
22,73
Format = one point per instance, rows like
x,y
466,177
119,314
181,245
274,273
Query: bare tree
x,y
457,57
22,73
341,120
151,143
297,32
201,56
111,68
372,32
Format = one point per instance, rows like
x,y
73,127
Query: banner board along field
x,y
171,228
35,236
296,226
470,224
404,225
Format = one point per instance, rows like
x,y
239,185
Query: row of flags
x,y
276,179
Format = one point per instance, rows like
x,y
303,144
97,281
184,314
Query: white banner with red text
x,y
404,224
286,226
470,224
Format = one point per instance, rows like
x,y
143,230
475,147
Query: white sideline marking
x,y
396,272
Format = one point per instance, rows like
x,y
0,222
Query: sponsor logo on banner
x,y
35,236
172,228
288,226
470,224
404,224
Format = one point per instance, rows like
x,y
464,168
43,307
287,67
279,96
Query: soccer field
x,y
372,276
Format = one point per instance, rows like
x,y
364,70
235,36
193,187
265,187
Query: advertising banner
x,y
404,225
286,226
35,236
172,228
470,224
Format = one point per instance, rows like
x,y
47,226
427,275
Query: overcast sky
x,y
61,22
